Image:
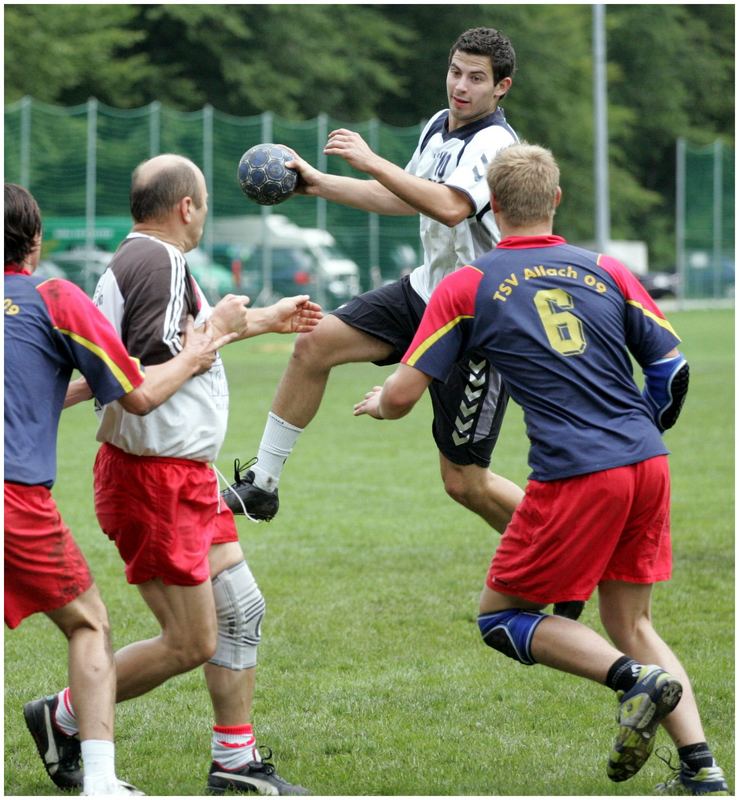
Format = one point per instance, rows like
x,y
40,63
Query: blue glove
x,y
665,389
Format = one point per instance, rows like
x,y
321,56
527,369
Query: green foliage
x,y
66,53
670,68
372,679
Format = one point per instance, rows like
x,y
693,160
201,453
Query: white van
x,y
273,258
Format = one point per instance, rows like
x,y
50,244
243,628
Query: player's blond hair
x,y
524,179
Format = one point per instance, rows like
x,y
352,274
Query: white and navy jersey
x,y
147,293
458,159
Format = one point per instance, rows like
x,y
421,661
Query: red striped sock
x,y
233,746
64,716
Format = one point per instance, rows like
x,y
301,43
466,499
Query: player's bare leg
x,y
64,733
236,763
647,692
491,496
333,342
625,610
186,615
295,404
92,679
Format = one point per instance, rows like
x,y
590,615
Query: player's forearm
x,y
261,320
78,391
366,195
434,200
160,383
401,391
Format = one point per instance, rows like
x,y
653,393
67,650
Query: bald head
x,y
158,185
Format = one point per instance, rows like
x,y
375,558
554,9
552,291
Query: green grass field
x,y
372,678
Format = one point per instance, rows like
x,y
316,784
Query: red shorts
x,y
162,513
568,536
44,567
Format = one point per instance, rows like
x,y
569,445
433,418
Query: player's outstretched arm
x,y
442,203
230,315
198,353
298,314
366,195
396,397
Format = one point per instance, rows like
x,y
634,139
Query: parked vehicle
x,y
213,278
83,266
276,258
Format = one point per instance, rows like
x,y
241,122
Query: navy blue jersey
x,y
558,322
51,328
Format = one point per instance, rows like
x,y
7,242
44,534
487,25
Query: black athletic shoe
x,y
257,777
259,504
569,608
59,752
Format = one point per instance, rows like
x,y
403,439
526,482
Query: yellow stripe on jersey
x,y
663,323
431,340
118,373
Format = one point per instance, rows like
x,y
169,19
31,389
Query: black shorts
x,y
469,406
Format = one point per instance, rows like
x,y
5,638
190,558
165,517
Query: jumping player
x,y
444,182
558,323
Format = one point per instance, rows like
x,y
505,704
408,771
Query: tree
x,y
64,54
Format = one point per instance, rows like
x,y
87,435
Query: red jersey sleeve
x,y
94,346
444,329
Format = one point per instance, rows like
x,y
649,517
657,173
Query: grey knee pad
x,y
240,609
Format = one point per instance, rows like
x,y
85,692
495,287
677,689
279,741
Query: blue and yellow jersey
x,y
558,322
52,328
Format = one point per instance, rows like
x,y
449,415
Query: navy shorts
x,y
469,406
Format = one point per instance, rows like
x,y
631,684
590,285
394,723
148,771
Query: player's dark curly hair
x,y
491,43
22,223
154,194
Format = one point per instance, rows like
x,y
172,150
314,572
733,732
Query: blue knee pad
x,y
511,632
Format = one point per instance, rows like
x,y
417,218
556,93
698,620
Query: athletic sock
x,y
64,716
277,443
696,756
623,674
234,746
98,756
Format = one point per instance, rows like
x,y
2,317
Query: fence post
x,y
266,294
680,220
90,179
718,210
155,127
25,176
374,219
208,172
321,164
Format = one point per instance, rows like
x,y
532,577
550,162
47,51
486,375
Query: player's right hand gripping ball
x,y
263,175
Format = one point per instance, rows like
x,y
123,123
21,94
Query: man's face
x,y
470,88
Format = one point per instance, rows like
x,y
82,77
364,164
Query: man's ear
x,y
184,208
494,204
558,196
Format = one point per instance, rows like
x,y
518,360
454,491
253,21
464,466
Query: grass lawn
x,y
372,678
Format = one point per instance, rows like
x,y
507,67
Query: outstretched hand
x,y
203,345
352,148
371,404
309,177
230,315
298,314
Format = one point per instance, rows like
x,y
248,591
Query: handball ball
x,y
263,175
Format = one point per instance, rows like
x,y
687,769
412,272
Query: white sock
x,y
98,757
64,716
233,747
277,443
